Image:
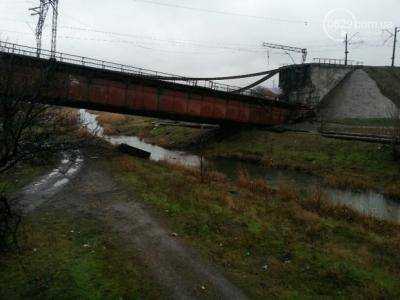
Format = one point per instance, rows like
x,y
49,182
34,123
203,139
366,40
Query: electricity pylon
x,y
42,11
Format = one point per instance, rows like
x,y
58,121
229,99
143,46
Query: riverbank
x,y
167,136
341,164
95,237
270,243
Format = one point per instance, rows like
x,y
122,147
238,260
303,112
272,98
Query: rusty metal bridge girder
x,y
115,91
208,82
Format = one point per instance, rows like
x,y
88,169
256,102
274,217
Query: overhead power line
x,y
220,12
202,44
226,46
174,41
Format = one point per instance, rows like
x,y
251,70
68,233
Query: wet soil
x,y
83,188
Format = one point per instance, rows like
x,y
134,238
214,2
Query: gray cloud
x,y
195,42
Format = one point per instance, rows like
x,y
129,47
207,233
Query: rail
x,y
6,47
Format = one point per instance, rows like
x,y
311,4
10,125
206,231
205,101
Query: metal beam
x,y
303,51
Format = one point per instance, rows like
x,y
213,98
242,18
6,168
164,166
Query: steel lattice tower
x,y
42,11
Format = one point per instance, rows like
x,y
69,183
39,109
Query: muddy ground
x,y
90,192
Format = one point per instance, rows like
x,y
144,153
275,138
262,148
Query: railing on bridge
x,y
341,62
7,47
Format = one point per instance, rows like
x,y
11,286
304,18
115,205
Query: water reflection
x,y
366,202
157,153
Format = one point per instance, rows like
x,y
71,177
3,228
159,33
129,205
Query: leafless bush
x,y
9,224
26,126
29,130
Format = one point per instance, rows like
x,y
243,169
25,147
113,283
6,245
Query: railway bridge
x,y
79,82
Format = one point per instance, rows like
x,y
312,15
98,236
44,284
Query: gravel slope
x,y
357,97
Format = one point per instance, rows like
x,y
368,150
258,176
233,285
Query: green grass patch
x,y
272,243
163,135
23,174
351,164
65,257
379,122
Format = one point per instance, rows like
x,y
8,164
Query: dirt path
x,y
93,193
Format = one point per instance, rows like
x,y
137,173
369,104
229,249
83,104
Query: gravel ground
x,y
357,97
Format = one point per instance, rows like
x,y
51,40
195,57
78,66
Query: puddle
x,y
366,202
48,185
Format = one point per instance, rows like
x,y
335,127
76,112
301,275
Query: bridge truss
x,y
206,82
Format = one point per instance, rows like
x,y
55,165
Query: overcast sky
x,y
209,37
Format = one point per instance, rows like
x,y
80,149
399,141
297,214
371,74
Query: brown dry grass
x,y
245,181
108,121
352,164
318,202
195,173
127,164
348,180
392,190
230,202
329,247
109,118
287,191
305,216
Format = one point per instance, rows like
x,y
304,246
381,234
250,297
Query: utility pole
x,y
347,43
396,30
346,51
42,11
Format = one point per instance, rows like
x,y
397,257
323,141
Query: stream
x,y
366,202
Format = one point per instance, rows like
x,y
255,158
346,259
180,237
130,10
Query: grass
x,y
163,135
379,122
353,126
387,80
65,257
341,163
116,124
284,243
24,173
175,136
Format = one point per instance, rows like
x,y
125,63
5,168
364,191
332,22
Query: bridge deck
x,y
82,84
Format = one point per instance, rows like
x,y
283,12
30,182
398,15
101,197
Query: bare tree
x,y
20,115
29,130
9,224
